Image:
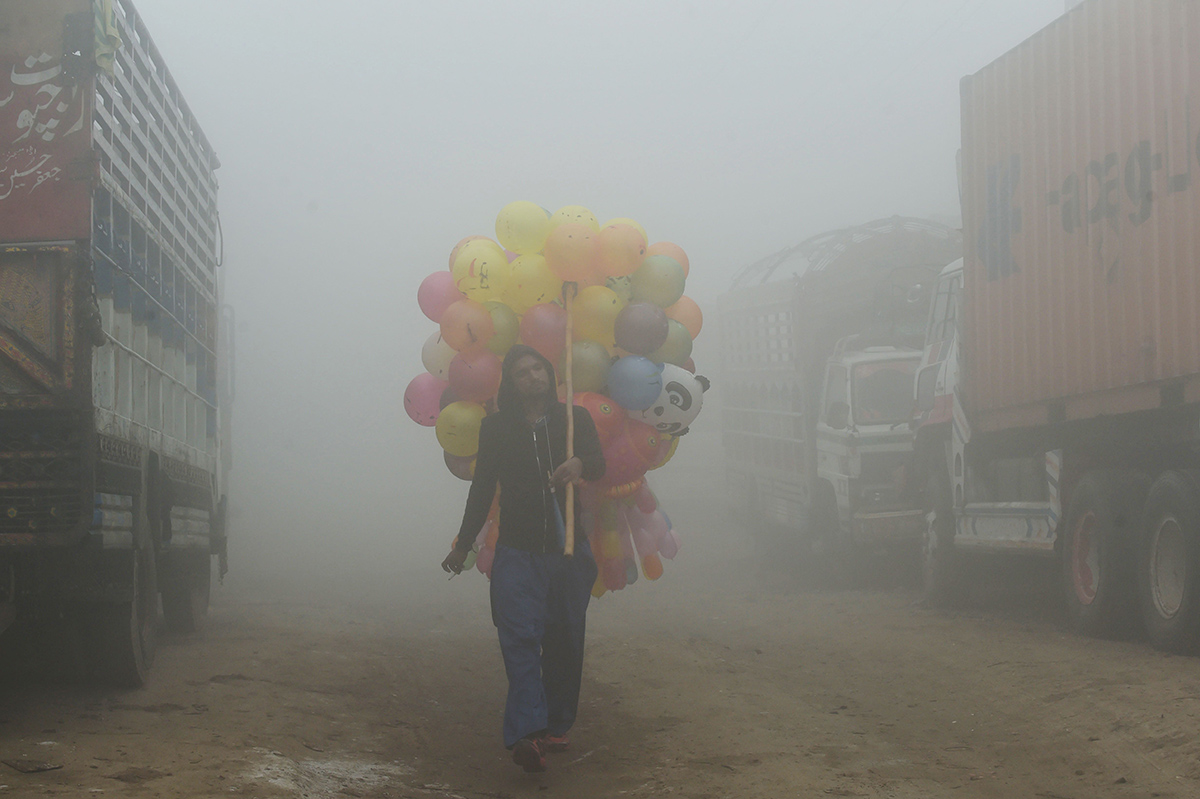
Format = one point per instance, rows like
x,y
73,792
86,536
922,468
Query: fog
x,y
360,142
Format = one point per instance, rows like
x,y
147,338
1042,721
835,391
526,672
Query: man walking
x,y
539,596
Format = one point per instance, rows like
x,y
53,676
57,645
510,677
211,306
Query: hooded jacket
x,y
520,457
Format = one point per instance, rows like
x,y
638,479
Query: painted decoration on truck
x,y
45,135
27,304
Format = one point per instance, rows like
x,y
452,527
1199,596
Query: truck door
x,y
833,439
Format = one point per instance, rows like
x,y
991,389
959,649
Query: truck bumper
x,y
891,528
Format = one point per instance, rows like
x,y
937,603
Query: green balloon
x,y
677,348
507,325
590,363
659,280
622,286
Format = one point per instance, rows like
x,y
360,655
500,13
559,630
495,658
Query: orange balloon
x,y
652,567
465,323
673,250
571,251
688,314
619,250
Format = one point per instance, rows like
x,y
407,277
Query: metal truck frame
x,y
800,454
112,439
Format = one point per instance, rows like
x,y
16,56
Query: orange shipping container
x,y
1081,213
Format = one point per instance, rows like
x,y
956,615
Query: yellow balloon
x,y
458,428
621,220
530,283
574,213
522,227
595,311
481,270
670,454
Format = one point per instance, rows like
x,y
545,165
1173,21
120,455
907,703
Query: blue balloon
x,y
634,382
631,572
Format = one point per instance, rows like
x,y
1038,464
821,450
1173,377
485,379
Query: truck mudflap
x,y
888,528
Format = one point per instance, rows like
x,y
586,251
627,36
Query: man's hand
x,y
454,561
569,472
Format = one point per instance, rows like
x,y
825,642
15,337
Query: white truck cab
x,y
865,445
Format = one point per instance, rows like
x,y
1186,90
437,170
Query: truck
x,y
820,348
113,455
1058,398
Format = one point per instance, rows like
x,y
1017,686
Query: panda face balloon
x,y
678,403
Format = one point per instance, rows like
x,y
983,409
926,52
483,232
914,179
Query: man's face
x,y
530,377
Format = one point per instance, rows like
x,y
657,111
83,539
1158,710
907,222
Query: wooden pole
x,y
569,290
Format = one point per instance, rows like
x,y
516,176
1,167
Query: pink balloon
x,y
510,255
544,327
645,543
436,294
483,561
422,398
668,545
475,374
645,500
481,539
459,466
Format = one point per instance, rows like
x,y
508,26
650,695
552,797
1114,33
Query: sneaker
x,y
556,743
528,754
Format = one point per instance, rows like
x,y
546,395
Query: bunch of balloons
x,y
631,328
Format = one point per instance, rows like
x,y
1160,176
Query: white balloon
x,y
436,356
679,402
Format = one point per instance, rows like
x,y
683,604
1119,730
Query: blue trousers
x,y
539,604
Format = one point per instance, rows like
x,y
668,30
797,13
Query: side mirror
x,y
837,415
927,387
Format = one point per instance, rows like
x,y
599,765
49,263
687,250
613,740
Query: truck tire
x,y
1169,562
941,572
125,633
185,603
1098,548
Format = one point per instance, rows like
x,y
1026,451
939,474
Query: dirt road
x,y
727,678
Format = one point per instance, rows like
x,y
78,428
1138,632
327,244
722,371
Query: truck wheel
x,y
1097,550
1169,562
185,604
941,578
126,632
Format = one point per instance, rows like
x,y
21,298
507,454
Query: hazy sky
x,y
360,141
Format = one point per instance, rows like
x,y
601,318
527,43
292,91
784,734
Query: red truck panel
x,y
1081,210
45,123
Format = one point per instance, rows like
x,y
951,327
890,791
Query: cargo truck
x,y
1059,392
112,455
820,345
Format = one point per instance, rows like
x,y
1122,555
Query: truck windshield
x,y
883,392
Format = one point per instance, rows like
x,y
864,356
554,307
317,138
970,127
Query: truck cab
x,y
865,445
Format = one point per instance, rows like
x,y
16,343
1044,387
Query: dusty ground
x,y
727,678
